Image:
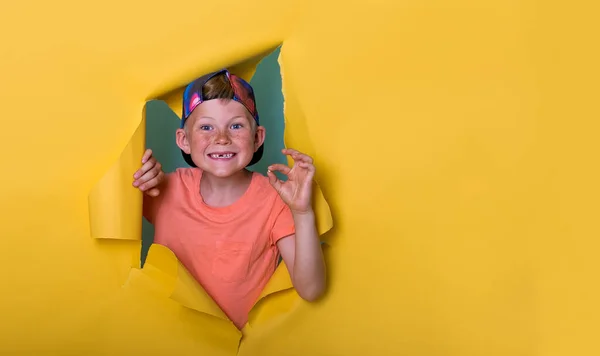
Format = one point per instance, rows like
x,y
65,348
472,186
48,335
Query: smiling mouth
x,y
223,155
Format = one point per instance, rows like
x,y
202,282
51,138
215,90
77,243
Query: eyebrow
x,y
212,118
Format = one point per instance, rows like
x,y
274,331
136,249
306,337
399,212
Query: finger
x,y
145,168
152,183
298,156
146,155
151,173
309,171
308,166
275,182
280,168
290,151
155,172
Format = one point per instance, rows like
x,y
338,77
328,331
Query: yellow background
x,y
456,144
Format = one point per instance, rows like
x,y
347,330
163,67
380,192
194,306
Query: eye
x,y
205,127
236,126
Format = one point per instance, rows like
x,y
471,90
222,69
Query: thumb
x,y
275,182
154,192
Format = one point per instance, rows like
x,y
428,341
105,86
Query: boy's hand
x,y
149,176
296,192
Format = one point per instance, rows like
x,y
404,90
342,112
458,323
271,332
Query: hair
x,y
218,87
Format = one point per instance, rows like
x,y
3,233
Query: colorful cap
x,y
243,93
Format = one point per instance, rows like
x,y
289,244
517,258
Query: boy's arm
x,y
303,257
150,179
150,207
152,204
301,251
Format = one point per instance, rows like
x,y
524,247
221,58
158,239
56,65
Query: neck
x,y
218,191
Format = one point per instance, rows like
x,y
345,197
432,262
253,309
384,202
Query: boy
x,y
228,225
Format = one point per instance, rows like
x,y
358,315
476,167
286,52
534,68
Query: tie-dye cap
x,y
243,93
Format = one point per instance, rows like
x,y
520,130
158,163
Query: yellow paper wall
x,y
455,142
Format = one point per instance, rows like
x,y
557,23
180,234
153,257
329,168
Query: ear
x,y
259,137
182,140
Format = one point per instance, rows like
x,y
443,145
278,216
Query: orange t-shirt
x,y
231,250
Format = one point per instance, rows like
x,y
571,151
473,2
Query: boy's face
x,y
220,136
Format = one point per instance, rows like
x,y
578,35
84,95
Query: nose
x,y
222,138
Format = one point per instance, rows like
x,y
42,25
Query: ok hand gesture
x,y
296,192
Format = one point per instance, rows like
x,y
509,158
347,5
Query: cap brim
x,y
255,159
257,155
188,159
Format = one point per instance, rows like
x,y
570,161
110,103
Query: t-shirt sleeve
x,y
284,222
